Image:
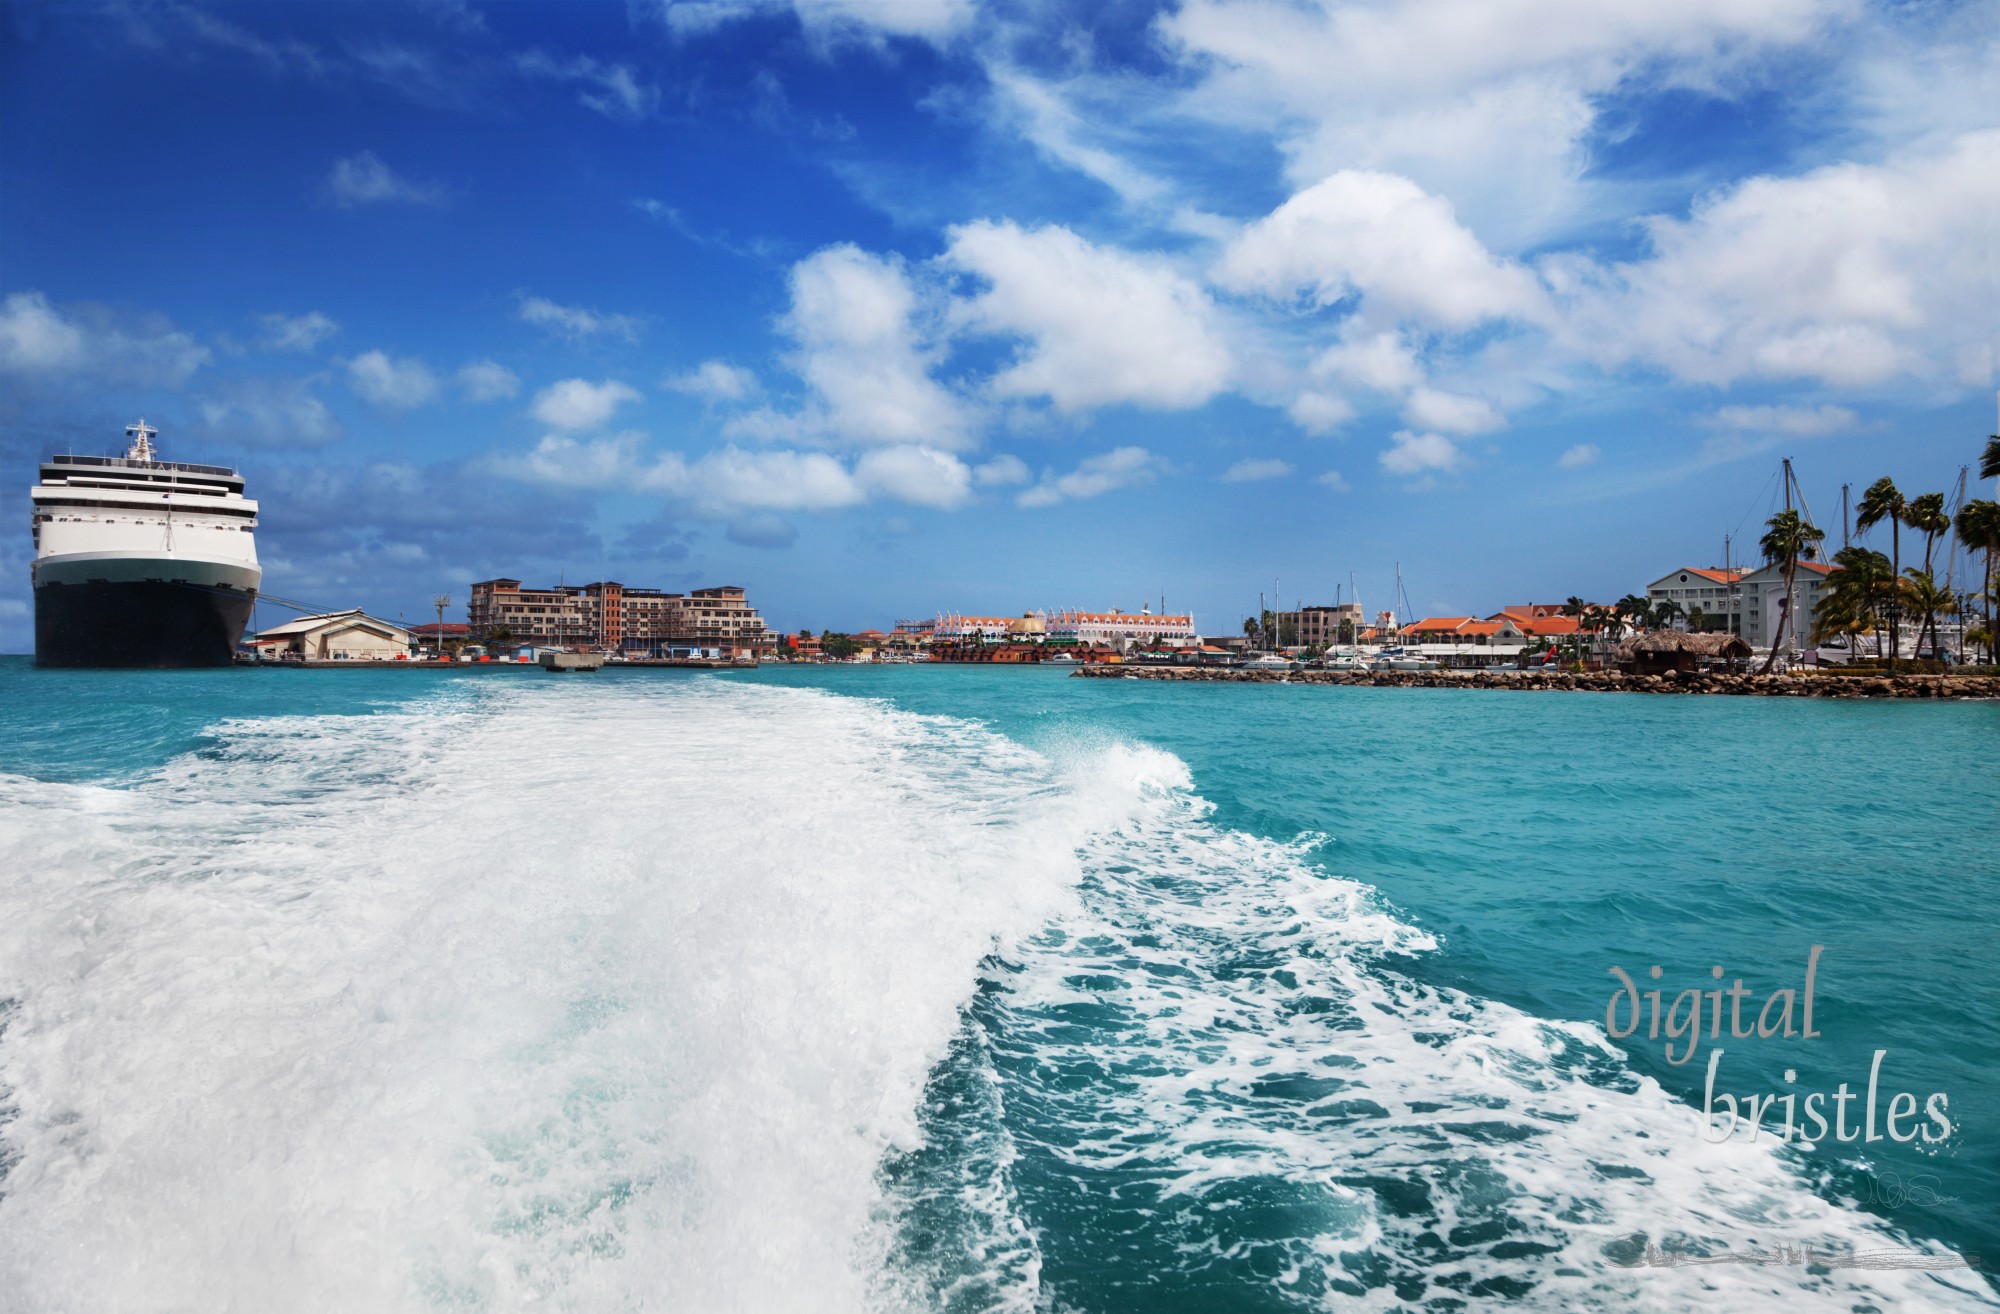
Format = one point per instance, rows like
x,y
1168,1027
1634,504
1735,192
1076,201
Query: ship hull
x,y
156,622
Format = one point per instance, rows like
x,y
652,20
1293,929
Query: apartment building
x,y
610,616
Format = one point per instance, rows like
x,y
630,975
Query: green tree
x,y
1663,616
838,645
1925,596
1787,539
1857,597
1926,515
1989,461
1882,502
1979,529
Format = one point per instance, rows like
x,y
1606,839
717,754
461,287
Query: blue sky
x,y
882,309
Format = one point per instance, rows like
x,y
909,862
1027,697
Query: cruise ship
x,y
141,562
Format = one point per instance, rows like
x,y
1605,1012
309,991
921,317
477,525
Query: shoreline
x,y
1740,685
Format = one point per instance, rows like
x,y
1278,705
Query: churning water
x,y
720,995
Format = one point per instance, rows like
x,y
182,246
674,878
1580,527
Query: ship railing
x,y
127,463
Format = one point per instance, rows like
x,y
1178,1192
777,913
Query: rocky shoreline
x,y
1767,686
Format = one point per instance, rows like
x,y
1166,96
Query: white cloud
x,y
1254,470
1487,101
613,90
1579,456
488,380
297,332
364,180
1062,134
828,20
730,482
394,384
37,340
1002,471
268,413
1320,412
1122,467
1383,361
1852,275
715,381
1421,454
770,481
1103,325
1332,479
1428,408
921,476
575,322
1386,239
581,404
863,353
1793,421
559,461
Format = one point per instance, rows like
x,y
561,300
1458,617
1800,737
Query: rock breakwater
x,y
1812,685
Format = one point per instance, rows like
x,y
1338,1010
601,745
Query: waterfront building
x,y
1716,591
951,627
1322,624
608,615
338,636
1122,629
433,634
1762,595
1467,640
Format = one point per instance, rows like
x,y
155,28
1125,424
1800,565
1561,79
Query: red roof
x,y
1444,623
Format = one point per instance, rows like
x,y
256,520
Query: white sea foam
x,y
569,998
1257,1046
616,996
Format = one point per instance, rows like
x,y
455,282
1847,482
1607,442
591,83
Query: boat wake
x,y
721,997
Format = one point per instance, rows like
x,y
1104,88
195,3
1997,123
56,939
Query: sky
x,y
886,309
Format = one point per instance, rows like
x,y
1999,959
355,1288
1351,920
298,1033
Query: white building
x,y
1122,629
336,636
1764,596
1742,602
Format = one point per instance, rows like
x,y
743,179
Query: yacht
x,y
140,561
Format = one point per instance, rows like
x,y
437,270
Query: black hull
x,y
143,623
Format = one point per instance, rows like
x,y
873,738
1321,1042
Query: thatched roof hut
x,y
1657,651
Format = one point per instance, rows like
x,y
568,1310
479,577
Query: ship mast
x,y
142,442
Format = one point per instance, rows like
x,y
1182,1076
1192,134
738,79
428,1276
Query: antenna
x,y
142,441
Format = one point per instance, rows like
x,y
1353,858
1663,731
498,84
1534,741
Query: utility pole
x,y
441,601
1843,516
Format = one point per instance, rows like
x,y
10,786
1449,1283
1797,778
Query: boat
x,y
141,562
1267,661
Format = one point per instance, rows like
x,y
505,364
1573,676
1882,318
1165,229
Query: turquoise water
x,y
958,988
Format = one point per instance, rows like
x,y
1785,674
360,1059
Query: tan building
x,y
1321,625
609,616
350,636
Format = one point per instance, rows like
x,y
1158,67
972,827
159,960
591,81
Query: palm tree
x,y
1989,463
1979,529
1924,594
1787,538
1926,515
1857,595
1663,616
1634,608
1882,502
